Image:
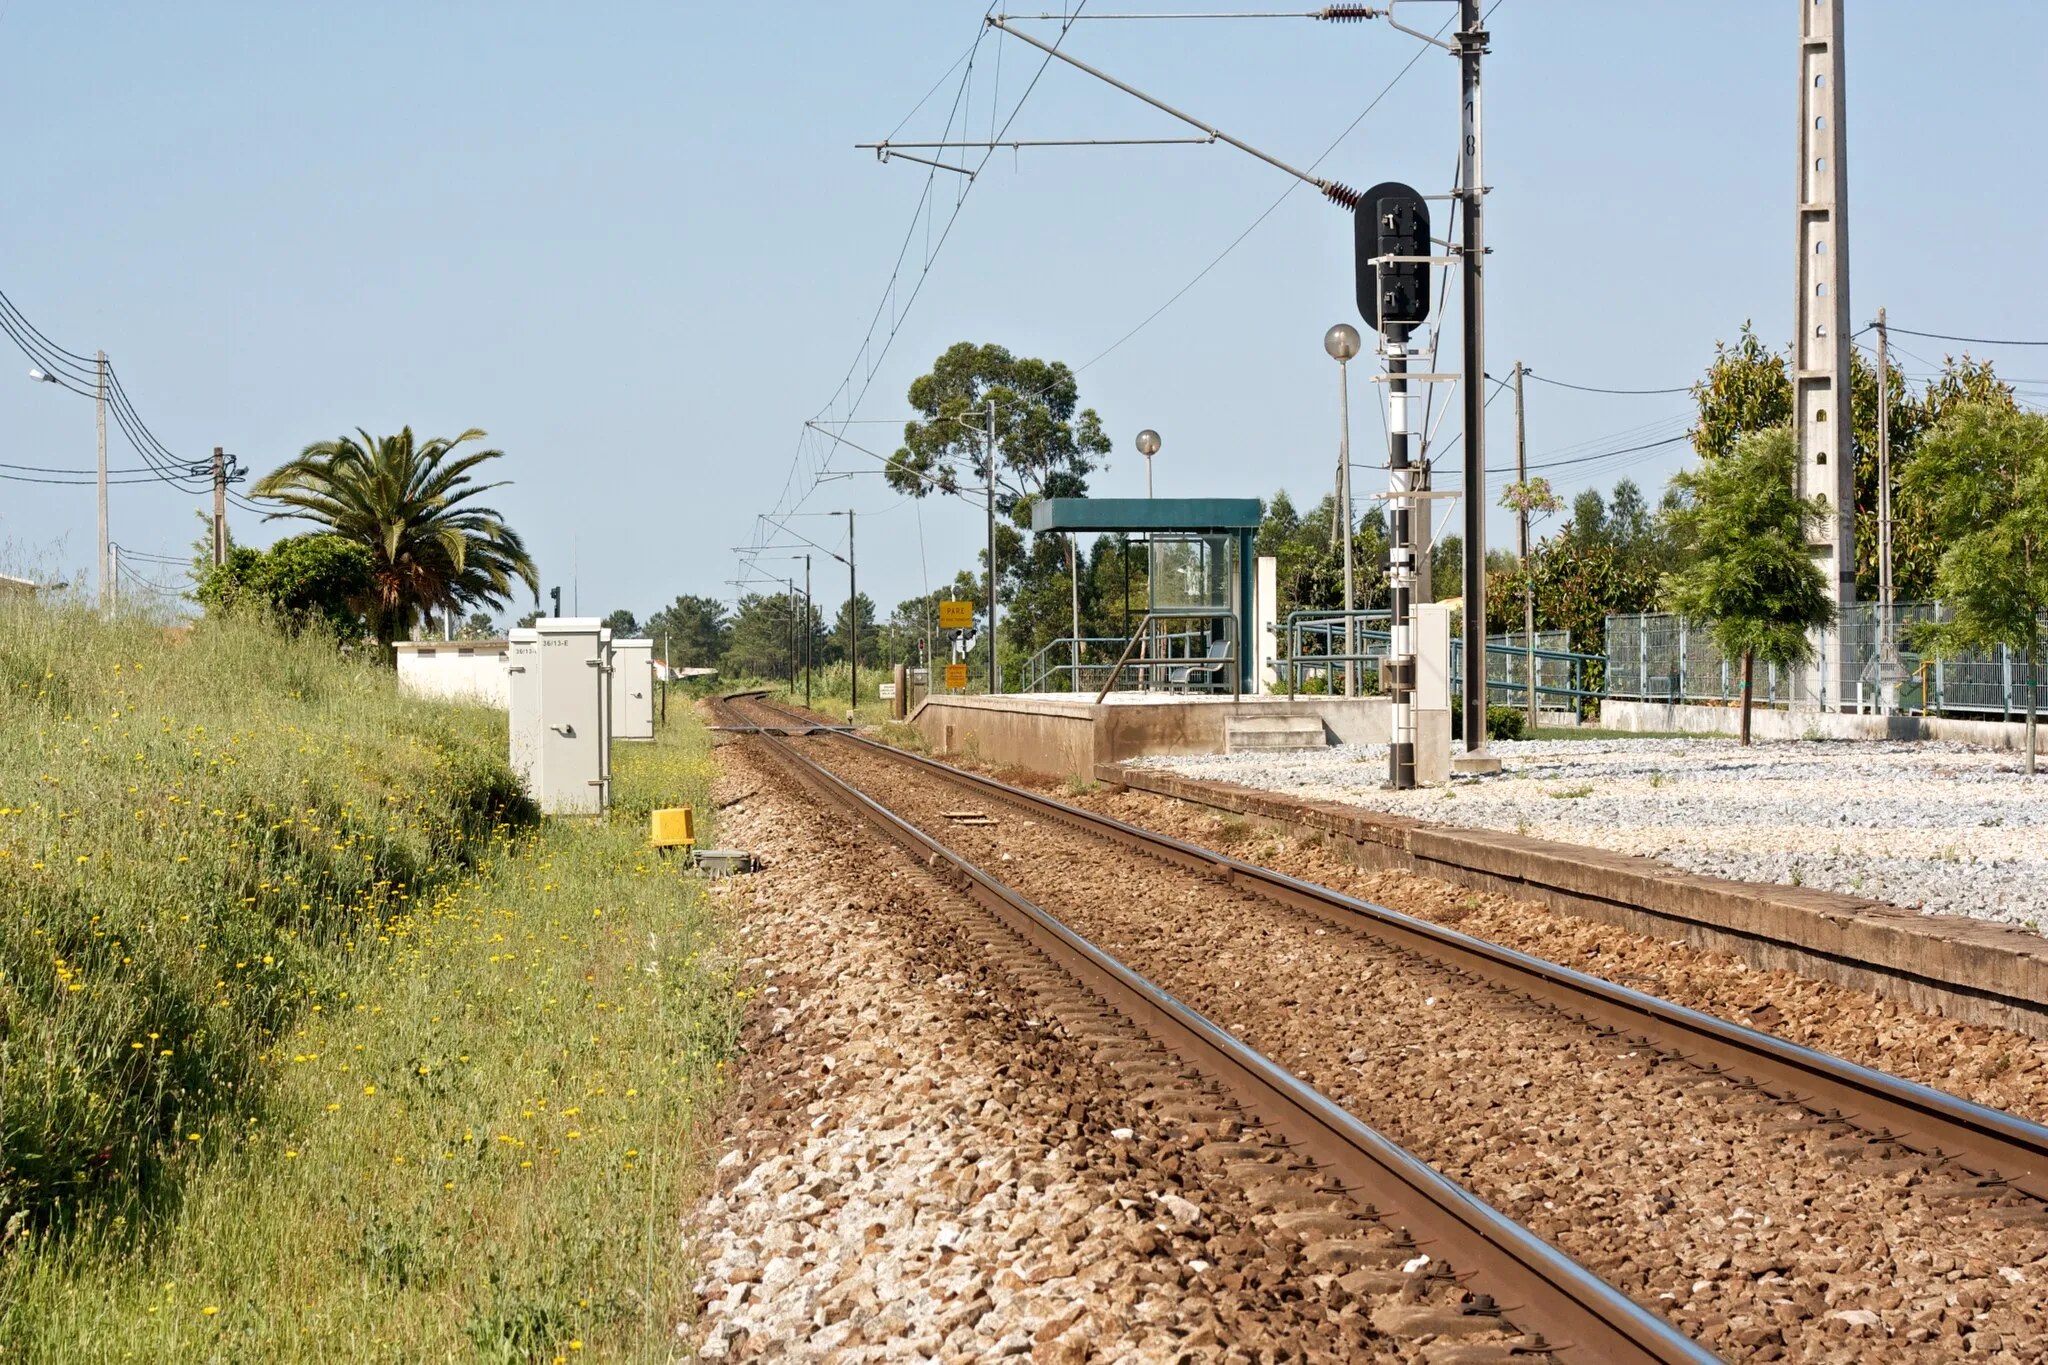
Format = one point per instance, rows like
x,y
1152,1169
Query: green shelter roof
x,y
1146,514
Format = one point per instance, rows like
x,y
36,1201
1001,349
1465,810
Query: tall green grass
x,y
317,1043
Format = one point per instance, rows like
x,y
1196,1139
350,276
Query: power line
x,y
1972,341
1589,388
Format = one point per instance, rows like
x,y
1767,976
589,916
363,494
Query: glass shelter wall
x,y
1197,574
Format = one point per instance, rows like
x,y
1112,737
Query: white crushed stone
x,y
1940,827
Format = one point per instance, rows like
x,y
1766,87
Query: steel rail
x,y
1538,1287
1996,1146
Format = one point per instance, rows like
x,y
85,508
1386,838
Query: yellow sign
x,y
956,616
956,677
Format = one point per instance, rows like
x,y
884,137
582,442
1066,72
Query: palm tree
x,y
403,502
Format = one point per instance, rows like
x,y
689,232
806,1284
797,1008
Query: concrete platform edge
x,y
1972,971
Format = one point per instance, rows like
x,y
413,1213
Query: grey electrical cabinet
x,y
633,689
522,693
572,768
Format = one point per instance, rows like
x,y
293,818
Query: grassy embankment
x,y
316,1044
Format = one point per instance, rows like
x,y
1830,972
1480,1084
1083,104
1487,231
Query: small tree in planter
x,y
1750,573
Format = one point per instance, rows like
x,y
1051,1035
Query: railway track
x,y
1911,1155
1569,1312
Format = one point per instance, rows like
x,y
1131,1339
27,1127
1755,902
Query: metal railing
x,y
1060,667
1312,660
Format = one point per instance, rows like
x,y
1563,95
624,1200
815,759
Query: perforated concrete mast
x,y
1820,338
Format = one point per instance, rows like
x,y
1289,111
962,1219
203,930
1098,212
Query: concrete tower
x,y
1820,345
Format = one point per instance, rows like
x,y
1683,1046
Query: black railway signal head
x,y
1392,220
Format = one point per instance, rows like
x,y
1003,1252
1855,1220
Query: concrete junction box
x,y
571,771
632,689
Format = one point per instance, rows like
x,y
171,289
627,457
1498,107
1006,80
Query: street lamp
x,y
40,376
1148,446
1342,343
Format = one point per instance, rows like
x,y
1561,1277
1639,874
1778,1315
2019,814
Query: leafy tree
x,y
1751,575
622,624
1917,542
1310,555
301,580
408,505
1982,476
1747,389
1045,444
695,628
481,625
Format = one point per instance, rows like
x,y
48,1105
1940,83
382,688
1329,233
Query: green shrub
x,y
194,832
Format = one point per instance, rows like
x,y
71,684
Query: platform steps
x,y
1269,734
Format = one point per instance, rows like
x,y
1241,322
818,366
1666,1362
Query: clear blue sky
x,y
634,241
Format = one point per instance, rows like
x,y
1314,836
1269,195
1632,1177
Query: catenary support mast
x,y
1820,337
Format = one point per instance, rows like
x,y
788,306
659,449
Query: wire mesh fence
x,y
1657,656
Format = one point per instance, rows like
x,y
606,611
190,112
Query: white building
x,y
457,670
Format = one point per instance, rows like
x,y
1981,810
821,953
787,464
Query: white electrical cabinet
x,y
522,694
633,689
572,767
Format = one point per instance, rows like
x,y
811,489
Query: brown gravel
x,y
1764,1237
941,1149
1992,1066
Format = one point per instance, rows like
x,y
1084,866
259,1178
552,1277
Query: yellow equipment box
x,y
672,828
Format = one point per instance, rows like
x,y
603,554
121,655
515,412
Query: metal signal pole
x,y
810,633
1470,45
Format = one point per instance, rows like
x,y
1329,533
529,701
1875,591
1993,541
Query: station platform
x,y
1070,733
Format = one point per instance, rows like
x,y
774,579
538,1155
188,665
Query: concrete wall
x,y
1770,724
1070,736
458,671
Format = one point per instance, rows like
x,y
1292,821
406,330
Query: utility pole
x,y
1522,548
1820,346
852,622
220,508
995,677
1470,45
106,544
809,633
114,566
1888,670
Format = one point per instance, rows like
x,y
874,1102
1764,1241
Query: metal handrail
x,y
1229,657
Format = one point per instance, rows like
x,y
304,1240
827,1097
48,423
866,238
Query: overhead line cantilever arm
x,y
887,146
883,151
1333,191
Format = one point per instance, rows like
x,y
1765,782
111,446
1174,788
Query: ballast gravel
x,y
1939,827
1765,1234
924,1164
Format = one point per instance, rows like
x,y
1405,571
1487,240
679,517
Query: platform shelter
x,y
1201,556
